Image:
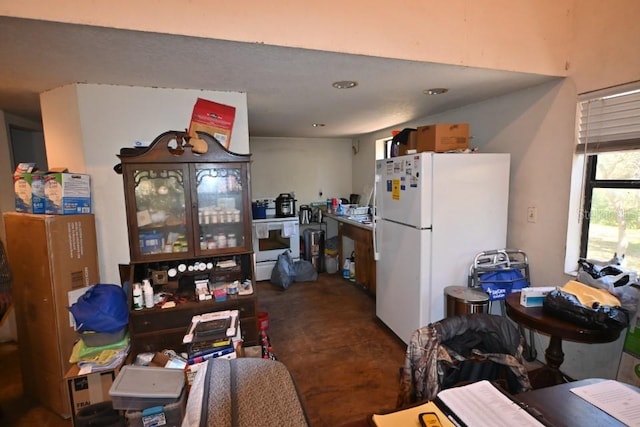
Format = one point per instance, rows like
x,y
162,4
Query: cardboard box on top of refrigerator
x,y
67,193
412,143
442,137
28,185
213,118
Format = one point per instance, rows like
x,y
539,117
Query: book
x,y
228,352
479,404
196,347
212,329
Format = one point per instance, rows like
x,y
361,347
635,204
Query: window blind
x,y
609,120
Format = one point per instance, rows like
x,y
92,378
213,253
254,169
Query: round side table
x,y
558,330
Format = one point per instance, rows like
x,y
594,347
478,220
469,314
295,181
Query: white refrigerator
x,y
433,213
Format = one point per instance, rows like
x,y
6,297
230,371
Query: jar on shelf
x,y
222,241
231,240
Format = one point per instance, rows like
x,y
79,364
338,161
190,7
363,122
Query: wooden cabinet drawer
x,y
155,319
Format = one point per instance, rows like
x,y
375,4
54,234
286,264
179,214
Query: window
x,y
612,207
607,171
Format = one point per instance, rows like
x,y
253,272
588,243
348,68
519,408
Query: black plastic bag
x,y
567,307
305,271
284,272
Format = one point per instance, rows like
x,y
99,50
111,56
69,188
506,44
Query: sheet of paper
x,y
481,404
614,398
409,417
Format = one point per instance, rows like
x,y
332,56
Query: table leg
x,y
553,355
550,374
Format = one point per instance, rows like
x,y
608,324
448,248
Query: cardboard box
x,y
214,119
50,256
28,185
67,193
412,144
88,389
38,200
442,137
534,297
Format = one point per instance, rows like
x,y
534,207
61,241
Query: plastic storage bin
x,y
170,415
142,387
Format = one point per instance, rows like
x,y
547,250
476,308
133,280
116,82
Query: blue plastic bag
x,y
500,283
103,308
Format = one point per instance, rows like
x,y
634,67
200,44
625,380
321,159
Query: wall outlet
x,y
532,214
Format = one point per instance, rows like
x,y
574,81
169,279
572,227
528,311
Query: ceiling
x,y
288,89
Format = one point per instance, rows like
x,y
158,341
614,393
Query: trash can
x,y
465,300
314,248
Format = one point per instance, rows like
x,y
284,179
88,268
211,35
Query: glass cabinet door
x,y
160,210
220,208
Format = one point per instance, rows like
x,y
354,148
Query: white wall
x,y
305,166
90,123
525,35
603,52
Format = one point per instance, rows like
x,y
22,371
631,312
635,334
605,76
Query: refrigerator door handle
x,y
376,254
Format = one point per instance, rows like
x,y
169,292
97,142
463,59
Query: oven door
x,y
271,238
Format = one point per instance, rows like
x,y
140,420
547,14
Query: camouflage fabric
x,y
426,356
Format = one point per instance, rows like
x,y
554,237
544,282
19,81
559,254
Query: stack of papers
x,y
614,398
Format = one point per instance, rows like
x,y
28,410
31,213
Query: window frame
x,y
588,144
591,183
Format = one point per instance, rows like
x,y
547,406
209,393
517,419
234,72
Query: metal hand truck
x,y
497,272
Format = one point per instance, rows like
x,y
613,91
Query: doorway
x,y
27,146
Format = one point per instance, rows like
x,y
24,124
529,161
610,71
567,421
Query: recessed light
x,y
318,125
436,91
344,84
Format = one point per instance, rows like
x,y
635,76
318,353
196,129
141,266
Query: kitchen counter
x,y
362,236
346,220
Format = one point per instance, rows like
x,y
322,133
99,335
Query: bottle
x,y
138,301
346,268
148,293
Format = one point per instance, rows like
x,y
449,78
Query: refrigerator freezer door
x,y
402,291
404,192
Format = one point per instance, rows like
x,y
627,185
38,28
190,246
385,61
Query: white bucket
x,y
331,264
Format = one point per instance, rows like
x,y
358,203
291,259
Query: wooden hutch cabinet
x,y
189,220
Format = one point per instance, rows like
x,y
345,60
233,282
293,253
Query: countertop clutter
x,y
362,235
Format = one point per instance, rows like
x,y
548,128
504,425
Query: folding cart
x,y
498,272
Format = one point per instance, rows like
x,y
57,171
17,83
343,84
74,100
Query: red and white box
x,y
214,119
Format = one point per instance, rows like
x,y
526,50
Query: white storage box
x,y
141,387
534,297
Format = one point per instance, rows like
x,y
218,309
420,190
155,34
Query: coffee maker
x,y
305,214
